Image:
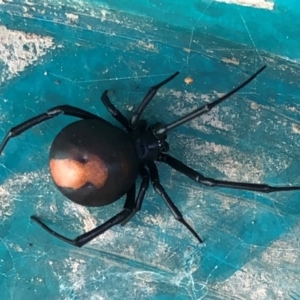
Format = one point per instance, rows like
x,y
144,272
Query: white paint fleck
x,y
15,247
254,105
233,61
262,4
19,50
176,94
154,220
103,14
72,17
97,297
148,46
296,128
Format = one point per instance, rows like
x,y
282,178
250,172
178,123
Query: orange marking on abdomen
x,y
70,173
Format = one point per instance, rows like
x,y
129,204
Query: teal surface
x,y
268,25
251,240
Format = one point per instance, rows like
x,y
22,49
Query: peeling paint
x,y
19,50
11,187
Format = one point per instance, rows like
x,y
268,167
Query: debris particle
x,y
188,80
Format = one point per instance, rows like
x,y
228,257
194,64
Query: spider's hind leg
x,y
198,177
131,206
141,194
173,208
90,235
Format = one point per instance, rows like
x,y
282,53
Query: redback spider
x,y
94,163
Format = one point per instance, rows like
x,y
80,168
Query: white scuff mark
x,y
6,204
148,46
29,3
296,128
176,94
212,118
254,105
154,220
12,187
19,50
233,61
266,277
82,213
87,222
97,297
227,160
76,275
15,247
262,4
103,14
72,17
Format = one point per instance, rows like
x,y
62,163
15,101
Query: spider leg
x,y
149,96
161,191
198,177
51,113
81,240
205,108
114,111
141,194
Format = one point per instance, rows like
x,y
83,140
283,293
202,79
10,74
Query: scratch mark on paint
x,y
233,61
250,36
262,4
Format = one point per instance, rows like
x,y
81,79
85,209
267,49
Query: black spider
x,y
94,163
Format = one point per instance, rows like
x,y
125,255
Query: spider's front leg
x,y
51,113
114,111
139,110
198,177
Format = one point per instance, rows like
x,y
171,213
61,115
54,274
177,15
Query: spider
x,y
95,163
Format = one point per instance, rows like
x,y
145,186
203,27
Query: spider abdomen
x,y
93,163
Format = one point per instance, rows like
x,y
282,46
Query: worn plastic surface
x,y
64,56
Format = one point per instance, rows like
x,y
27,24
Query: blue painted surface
x,y
251,137
261,29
